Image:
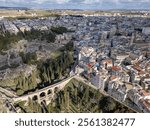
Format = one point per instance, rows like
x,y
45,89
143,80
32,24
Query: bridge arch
x,y
43,94
35,98
43,102
56,89
49,92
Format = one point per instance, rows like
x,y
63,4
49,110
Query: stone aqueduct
x,y
45,94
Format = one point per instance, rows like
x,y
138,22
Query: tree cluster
x,y
7,39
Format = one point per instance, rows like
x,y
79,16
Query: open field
x,y
29,13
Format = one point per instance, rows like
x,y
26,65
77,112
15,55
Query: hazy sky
x,y
79,4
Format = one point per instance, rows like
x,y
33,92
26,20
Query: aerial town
x,y
111,53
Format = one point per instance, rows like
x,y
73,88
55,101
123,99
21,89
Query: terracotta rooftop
x,y
113,77
137,67
108,61
116,68
146,103
144,93
89,65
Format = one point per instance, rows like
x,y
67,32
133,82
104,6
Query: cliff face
x,y
27,78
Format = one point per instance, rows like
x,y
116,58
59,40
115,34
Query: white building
x,y
100,81
113,31
146,30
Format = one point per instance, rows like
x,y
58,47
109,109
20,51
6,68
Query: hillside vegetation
x,y
7,38
47,72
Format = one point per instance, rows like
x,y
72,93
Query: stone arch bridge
x,y
45,94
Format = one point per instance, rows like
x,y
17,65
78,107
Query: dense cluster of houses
x,y
114,52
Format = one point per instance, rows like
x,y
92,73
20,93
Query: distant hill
x,y
13,8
